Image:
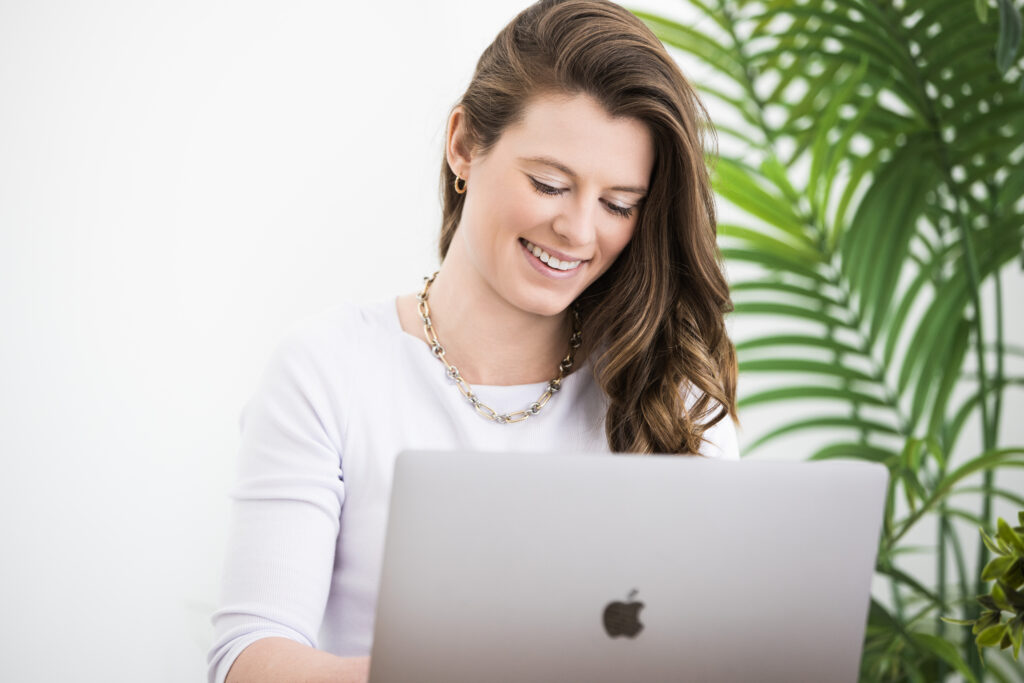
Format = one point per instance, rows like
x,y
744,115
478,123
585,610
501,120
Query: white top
x,y
342,395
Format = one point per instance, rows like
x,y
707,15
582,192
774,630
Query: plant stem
x,y
988,432
943,533
997,408
968,635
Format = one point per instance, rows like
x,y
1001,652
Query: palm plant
x,y
874,153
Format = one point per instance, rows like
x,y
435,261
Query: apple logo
x,y
623,618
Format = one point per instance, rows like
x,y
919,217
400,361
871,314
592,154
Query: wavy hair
x,y
653,324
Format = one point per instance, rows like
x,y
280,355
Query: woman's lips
x,y
571,267
553,259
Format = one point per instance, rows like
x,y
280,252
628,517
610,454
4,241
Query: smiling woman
x,y
600,117
578,307
554,181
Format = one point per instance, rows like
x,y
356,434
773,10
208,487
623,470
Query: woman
x,y
579,306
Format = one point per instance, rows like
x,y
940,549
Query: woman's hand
x,y
281,660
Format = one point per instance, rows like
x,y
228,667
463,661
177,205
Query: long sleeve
x,y
285,511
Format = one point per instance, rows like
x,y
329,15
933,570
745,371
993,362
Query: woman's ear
x,y
457,148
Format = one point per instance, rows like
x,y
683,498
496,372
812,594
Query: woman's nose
x,y
576,224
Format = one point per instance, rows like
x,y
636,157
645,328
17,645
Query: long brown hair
x,y
653,324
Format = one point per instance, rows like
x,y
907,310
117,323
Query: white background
x,y
179,182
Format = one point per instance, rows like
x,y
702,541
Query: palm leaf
x,y
947,382
811,392
863,36
1010,496
990,460
798,252
814,423
823,150
875,246
945,650
798,340
856,451
818,295
737,184
775,262
775,309
804,366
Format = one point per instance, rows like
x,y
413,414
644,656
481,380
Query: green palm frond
x,y
879,177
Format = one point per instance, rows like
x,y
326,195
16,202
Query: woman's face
x,y
554,202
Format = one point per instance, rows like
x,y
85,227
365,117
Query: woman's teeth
x,y
550,260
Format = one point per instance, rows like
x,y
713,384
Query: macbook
x,y
601,568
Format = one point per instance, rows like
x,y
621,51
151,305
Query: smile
x,y
549,260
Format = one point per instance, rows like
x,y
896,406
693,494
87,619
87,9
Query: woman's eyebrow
x,y
554,163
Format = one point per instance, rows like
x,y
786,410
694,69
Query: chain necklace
x,y
467,391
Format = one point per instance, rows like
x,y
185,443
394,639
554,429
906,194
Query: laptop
x,y
600,568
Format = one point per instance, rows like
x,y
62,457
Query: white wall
x,y
179,181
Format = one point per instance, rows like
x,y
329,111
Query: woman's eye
x,y
624,211
545,189
549,191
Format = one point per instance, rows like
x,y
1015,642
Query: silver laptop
x,y
601,568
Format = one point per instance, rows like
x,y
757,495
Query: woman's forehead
x,y
578,135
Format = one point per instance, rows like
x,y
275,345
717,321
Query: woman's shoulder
x,y
341,325
343,334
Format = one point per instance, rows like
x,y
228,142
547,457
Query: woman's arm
x,y
280,660
286,510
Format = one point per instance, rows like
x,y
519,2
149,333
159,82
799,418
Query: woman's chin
x,y
547,307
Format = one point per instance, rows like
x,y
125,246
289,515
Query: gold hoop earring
x,y
457,189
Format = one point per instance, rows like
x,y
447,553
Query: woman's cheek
x,y
522,211
621,238
611,245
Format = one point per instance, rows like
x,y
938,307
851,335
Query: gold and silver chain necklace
x,y
467,391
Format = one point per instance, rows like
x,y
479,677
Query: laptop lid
x,y
544,567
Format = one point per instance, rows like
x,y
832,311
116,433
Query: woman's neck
x,y
488,339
